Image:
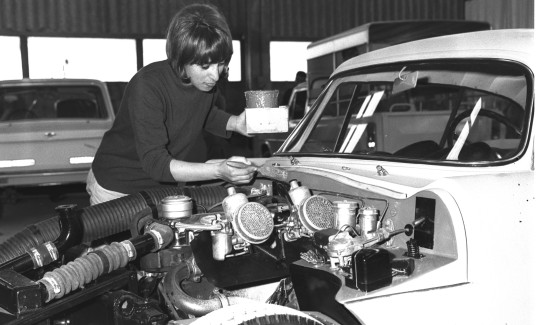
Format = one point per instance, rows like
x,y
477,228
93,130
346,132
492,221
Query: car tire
x,y
257,313
281,320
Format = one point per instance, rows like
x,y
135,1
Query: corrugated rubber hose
x,y
108,218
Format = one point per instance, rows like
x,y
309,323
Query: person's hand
x,y
238,124
237,170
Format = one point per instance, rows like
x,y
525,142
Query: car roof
x,y
509,44
50,81
385,32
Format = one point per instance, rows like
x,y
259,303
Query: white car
x,y
50,129
439,134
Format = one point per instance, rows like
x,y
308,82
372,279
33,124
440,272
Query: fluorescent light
x,y
81,160
17,163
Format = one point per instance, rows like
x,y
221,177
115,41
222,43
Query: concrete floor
x,y
30,205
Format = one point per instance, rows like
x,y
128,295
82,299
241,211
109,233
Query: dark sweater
x,y
159,119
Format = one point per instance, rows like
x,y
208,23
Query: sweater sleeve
x,y
216,122
147,116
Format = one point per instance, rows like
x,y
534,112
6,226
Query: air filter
x,y
253,223
317,213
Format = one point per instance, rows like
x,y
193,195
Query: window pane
x,y
235,66
10,58
154,50
36,102
95,58
286,58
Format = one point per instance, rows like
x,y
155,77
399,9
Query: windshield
x,y
464,111
33,102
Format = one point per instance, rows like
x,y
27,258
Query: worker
x,y
299,78
156,138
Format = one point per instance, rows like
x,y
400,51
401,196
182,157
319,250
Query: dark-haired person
x,y
156,137
299,78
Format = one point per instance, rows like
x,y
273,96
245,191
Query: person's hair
x,y
300,76
198,34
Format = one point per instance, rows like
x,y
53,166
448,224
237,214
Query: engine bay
x,y
309,243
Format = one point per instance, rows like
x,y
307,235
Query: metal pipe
x,y
71,233
188,304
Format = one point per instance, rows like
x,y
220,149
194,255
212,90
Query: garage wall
x,y
316,19
288,19
90,18
502,13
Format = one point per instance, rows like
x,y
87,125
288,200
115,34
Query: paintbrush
x,y
267,171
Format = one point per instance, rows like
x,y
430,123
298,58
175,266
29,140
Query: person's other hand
x,y
237,170
238,124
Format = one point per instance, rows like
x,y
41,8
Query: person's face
x,y
204,77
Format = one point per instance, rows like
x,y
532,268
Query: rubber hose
x,y
105,219
191,305
206,195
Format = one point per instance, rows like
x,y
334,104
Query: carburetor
x,y
240,224
312,212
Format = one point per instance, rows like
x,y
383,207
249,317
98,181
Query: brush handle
x,y
268,171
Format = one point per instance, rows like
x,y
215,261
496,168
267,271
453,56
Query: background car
x,y
50,129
